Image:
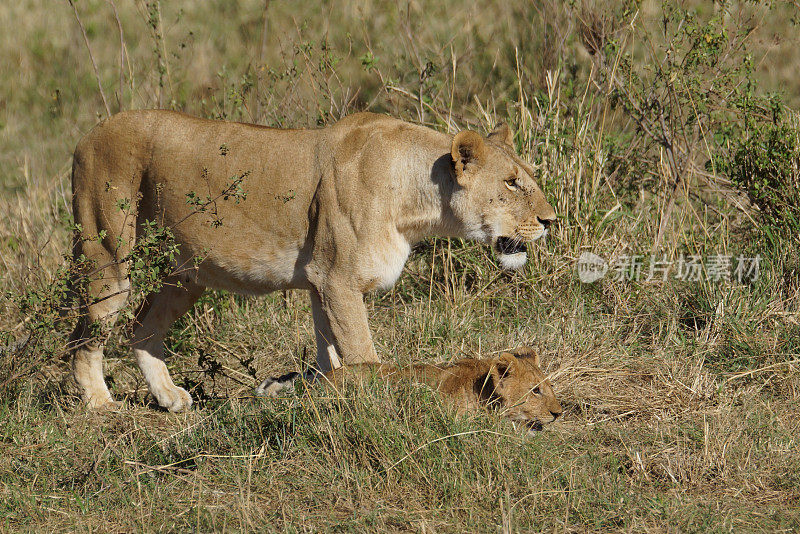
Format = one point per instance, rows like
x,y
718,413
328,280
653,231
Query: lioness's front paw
x,y
102,403
174,399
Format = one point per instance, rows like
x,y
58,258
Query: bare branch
x,y
91,57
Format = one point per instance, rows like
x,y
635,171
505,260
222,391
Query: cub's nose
x,y
555,415
544,222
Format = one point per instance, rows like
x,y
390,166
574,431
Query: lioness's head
x,y
517,387
496,197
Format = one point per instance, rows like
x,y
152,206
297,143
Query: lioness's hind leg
x,y
107,293
87,367
157,315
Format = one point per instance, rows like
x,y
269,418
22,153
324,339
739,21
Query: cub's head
x,y
517,387
496,198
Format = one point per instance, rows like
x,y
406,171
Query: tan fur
x,y
512,383
333,211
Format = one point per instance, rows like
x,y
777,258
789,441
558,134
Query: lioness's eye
x,y
512,184
536,390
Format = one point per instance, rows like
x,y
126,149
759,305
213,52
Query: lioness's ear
x,y
502,134
468,153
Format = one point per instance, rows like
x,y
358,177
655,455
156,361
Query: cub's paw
x,y
174,399
276,387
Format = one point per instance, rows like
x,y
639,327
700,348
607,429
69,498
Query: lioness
x,y
332,210
511,383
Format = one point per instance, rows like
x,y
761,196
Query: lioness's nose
x,y
555,415
545,222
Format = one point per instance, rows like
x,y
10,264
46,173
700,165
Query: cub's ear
x,y
502,134
503,366
468,153
527,352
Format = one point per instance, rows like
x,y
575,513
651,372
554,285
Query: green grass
x,y
681,398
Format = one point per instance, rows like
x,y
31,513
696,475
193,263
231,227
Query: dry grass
x,y
682,399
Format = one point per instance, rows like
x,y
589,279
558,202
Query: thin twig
x,y
121,54
426,444
91,57
762,369
260,64
163,44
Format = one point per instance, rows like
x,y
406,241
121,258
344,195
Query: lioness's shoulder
x,y
364,118
386,136
377,122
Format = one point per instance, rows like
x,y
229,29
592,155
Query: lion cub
x,y
511,383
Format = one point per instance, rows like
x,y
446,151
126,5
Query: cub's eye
x,y
536,391
512,185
